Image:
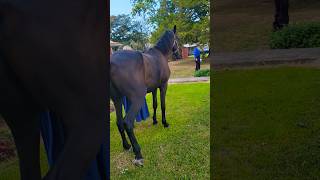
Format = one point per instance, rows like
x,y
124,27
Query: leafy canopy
x,y
128,31
190,16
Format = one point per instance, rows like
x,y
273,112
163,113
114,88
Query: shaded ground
x,y
9,166
7,148
266,123
241,25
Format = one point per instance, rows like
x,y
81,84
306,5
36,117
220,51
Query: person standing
x,y
196,54
143,114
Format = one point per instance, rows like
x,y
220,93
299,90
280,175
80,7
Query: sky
x,y
120,7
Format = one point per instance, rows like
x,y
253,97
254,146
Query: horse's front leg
x,y
120,123
155,105
163,92
136,105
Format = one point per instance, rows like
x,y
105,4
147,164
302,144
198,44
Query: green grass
x,y
179,152
266,123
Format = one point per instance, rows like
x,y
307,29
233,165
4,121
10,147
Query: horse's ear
x,y
175,29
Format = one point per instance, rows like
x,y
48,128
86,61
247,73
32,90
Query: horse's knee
x,y
120,124
128,125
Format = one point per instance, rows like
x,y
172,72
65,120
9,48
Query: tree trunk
x,y
281,17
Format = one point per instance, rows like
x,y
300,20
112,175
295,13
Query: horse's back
x,y
127,71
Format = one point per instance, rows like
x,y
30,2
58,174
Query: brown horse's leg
x,y
26,132
85,129
120,123
163,91
155,105
136,105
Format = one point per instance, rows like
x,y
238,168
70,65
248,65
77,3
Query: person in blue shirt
x,y
196,54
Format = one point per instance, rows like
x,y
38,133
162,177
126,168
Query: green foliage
x,y
202,73
190,16
305,35
128,32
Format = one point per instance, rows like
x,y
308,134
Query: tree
x,y
128,32
190,16
120,28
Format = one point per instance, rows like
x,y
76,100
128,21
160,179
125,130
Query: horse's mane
x,y
165,43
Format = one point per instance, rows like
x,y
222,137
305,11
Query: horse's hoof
x,y
166,125
155,122
138,162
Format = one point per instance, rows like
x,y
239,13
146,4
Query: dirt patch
x,y
7,149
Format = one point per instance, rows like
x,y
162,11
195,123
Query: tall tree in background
x,y
128,32
190,16
281,17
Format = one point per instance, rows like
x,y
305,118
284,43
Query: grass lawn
x,y
185,67
246,24
266,123
179,152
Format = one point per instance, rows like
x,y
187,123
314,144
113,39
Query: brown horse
x,y
53,57
133,74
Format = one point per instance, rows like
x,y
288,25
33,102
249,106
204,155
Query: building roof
x,y
115,44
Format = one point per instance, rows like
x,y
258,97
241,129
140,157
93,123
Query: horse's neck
x,y
160,53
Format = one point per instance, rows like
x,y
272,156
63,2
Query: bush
x,y
202,73
306,35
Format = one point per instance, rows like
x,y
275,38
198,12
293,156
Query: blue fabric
x,y
196,52
143,114
53,138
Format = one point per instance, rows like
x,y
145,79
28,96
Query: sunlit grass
x,y
180,151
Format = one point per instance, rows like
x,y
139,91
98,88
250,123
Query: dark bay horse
x,y
133,74
53,57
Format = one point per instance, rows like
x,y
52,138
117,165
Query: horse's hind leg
x,y
120,123
137,102
155,105
16,109
26,132
163,91
85,129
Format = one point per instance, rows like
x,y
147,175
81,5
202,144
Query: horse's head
x,y
175,46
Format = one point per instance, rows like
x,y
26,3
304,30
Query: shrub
x,y
202,73
305,35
